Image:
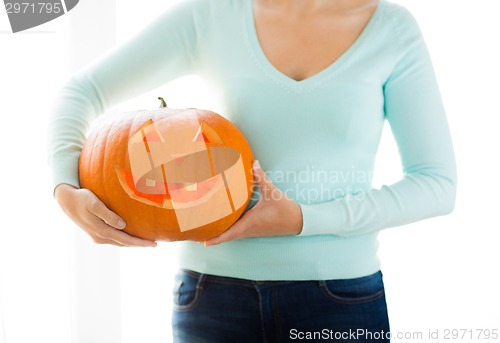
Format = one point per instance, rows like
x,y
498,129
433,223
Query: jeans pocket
x,y
188,287
354,291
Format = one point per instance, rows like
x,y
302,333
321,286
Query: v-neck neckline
x,y
331,69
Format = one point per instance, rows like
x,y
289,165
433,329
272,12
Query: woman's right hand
x,y
90,213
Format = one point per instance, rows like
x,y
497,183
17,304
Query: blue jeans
x,y
213,309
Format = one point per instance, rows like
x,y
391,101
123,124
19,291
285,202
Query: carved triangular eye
x,y
147,133
200,136
150,133
207,134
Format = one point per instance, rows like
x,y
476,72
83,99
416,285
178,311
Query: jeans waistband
x,y
236,281
264,283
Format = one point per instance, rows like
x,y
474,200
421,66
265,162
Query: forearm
x,y
416,197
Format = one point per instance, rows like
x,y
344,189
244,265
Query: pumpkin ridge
x,y
111,132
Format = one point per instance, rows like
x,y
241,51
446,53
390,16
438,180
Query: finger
x,y
99,240
104,231
231,234
128,240
226,236
97,208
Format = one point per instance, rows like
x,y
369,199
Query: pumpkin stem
x,y
163,104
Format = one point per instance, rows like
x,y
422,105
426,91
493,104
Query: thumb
x,y
261,178
99,209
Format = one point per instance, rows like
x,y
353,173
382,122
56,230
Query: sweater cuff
x,y
322,219
65,170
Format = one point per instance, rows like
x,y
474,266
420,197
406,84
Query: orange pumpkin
x,y
171,174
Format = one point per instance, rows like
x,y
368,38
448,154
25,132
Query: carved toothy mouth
x,y
183,180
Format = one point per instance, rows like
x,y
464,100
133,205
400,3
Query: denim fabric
x,y
213,309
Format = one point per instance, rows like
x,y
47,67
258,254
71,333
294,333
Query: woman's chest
x,y
302,47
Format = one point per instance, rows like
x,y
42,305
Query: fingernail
x,y
121,224
256,164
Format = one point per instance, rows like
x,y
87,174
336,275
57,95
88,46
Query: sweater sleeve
x,y
161,52
414,110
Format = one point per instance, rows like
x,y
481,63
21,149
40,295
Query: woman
x,y
310,84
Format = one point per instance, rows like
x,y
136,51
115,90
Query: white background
x,y
441,273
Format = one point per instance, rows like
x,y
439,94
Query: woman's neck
x,y
313,6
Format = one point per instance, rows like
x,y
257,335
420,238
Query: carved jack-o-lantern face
x,y
191,167
186,168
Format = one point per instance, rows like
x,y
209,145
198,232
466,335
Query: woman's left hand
x,y
275,214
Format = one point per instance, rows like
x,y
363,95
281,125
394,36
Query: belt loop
x,y
201,280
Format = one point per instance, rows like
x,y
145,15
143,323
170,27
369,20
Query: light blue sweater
x,y
316,138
